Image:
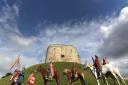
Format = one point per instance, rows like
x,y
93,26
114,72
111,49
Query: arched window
x,y
62,56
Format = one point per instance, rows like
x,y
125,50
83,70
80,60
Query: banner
x,y
16,63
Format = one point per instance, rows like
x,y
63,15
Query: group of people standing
x,y
19,75
49,76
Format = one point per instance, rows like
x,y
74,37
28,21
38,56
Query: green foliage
x,y
89,78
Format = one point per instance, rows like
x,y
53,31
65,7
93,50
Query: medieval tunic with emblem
x,y
52,69
31,80
15,76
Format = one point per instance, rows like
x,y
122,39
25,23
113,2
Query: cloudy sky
x,y
27,27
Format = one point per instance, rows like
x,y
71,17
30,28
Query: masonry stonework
x,y
62,53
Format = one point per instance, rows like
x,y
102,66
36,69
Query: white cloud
x,y
27,61
116,32
106,30
12,42
22,40
124,14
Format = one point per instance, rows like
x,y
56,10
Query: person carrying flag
x,y
15,76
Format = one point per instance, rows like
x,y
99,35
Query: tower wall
x,y
62,53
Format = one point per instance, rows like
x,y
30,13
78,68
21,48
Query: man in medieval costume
x,y
74,70
15,76
51,71
97,66
21,76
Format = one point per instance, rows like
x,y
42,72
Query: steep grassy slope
x,y
90,80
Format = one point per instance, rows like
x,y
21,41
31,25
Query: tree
x,y
7,74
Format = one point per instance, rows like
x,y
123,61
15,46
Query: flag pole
x,y
19,62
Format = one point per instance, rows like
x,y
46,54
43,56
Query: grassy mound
x,y
89,78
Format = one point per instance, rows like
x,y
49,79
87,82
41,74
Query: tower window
x,y
62,56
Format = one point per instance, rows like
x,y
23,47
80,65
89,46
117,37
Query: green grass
x,y
90,80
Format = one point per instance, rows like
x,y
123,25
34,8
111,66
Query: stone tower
x,y
62,53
